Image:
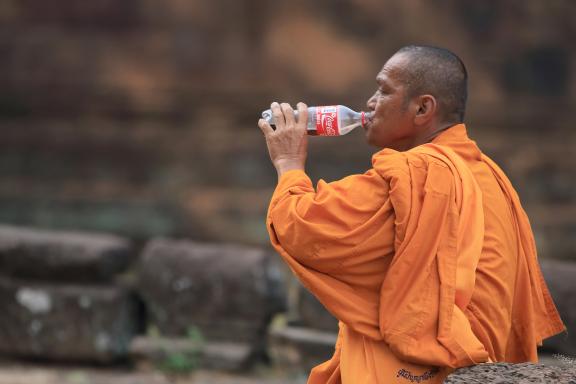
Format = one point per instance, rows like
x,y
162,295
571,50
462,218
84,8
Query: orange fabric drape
x,y
404,256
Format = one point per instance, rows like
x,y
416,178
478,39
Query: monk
x,y
427,259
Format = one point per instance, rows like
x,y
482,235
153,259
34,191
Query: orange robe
x,y
427,260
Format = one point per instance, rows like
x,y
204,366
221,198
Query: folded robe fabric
x,y
409,256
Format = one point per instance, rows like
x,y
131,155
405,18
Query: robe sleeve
x,y
336,239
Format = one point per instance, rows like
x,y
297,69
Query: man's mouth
x,y
367,118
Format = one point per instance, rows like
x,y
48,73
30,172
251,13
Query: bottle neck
x,y
365,118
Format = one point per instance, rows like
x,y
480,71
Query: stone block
x,y
312,313
193,354
513,373
228,292
299,349
66,322
560,277
61,256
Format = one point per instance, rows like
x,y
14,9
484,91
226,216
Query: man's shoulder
x,y
389,160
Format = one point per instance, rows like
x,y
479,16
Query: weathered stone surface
x,y
505,373
61,256
65,322
561,279
300,349
196,354
312,313
228,292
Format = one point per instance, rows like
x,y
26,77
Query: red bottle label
x,y
327,121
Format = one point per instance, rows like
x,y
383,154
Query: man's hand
x,y
287,144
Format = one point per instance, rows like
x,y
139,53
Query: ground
x,y
14,372
19,373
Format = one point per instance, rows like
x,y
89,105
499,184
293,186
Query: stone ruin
x,y
94,298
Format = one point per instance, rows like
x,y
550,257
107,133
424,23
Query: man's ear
x,y
427,108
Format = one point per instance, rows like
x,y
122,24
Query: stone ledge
x,y
506,373
62,256
300,349
66,322
212,355
228,292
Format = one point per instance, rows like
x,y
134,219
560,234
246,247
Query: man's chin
x,y
371,142
379,144
368,137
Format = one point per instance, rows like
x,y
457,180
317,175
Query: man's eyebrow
x,y
382,81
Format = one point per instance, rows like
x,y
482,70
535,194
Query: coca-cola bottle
x,y
331,120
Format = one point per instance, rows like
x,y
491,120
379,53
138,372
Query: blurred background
x,y
137,118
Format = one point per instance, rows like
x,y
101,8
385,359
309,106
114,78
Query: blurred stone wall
x,y
88,297
139,117
69,296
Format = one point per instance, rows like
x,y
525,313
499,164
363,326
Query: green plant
x,y
188,355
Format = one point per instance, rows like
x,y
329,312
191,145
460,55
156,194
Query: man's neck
x,y
432,133
429,134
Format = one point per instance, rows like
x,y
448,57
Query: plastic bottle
x,y
331,120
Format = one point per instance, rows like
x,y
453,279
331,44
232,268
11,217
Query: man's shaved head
x,y
440,73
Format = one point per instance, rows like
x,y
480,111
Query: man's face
x,y
392,121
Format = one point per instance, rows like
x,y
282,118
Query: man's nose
x,y
371,103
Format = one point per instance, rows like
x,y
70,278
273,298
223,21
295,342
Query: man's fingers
x,y
302,114
279,120
265,127
288,113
